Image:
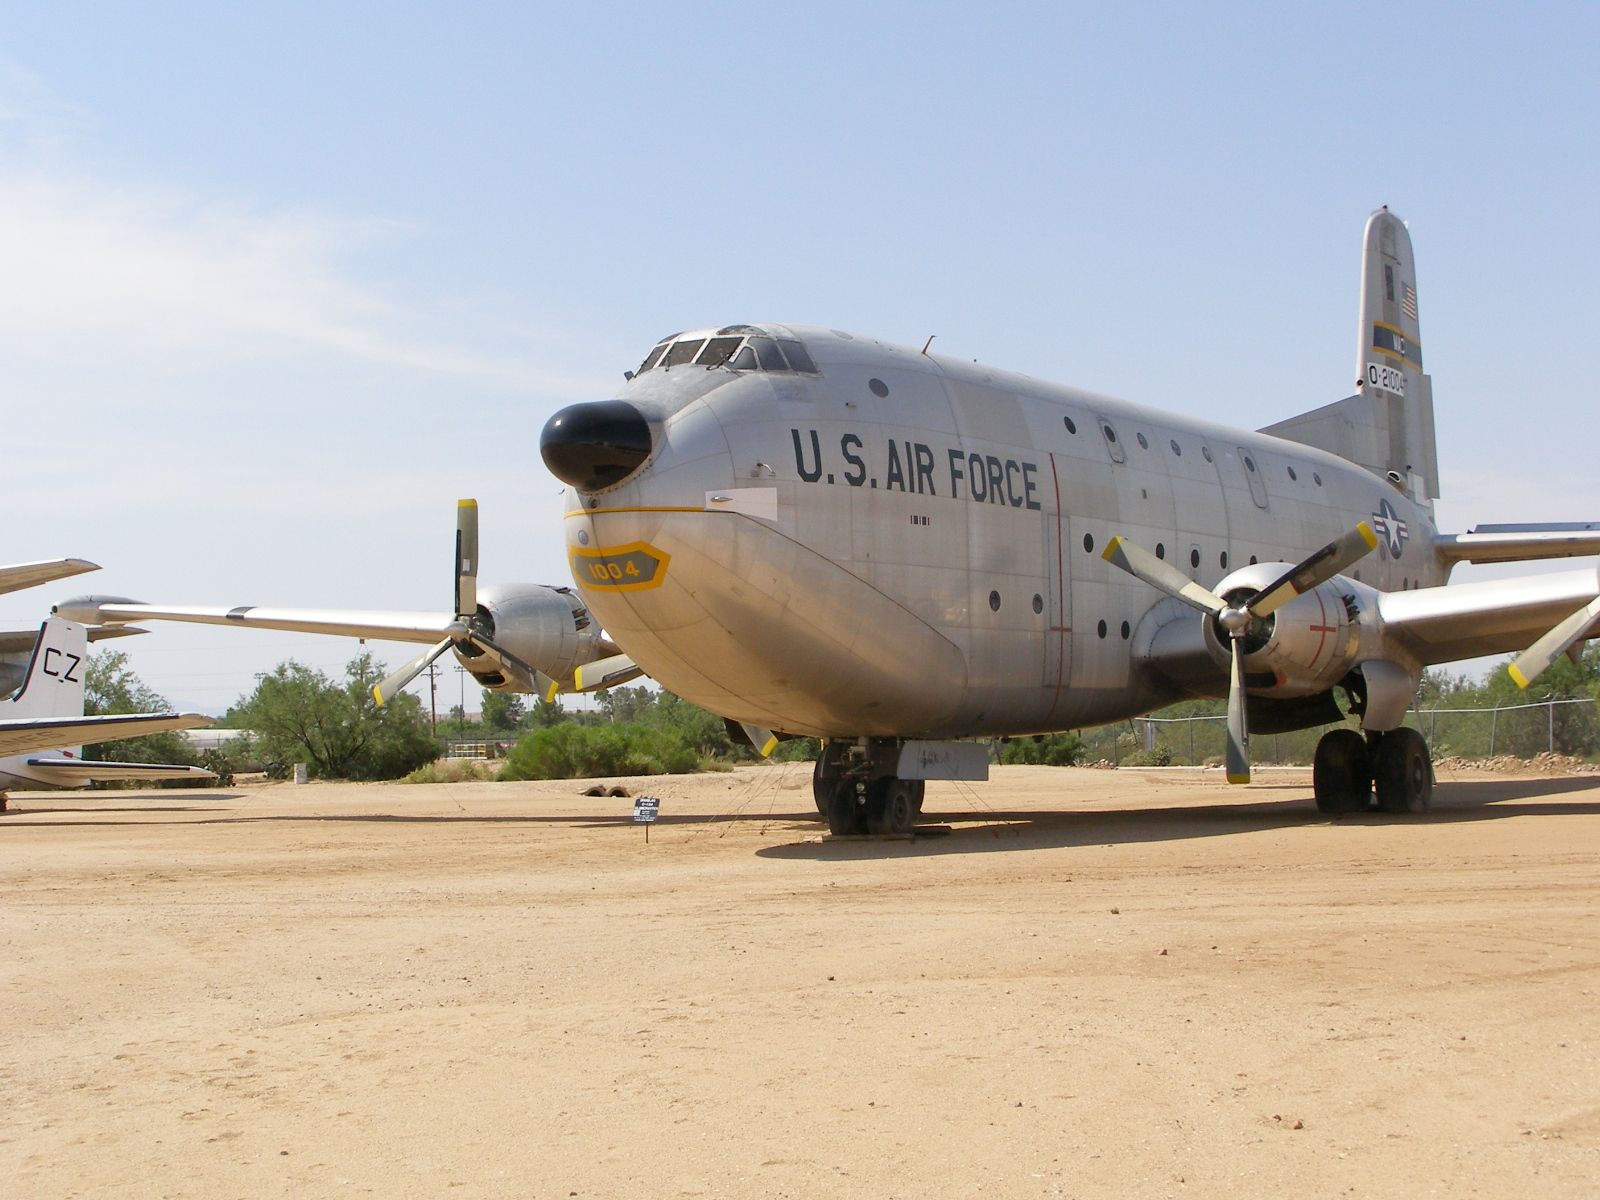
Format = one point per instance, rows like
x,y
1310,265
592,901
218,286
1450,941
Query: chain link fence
x,y
1524,730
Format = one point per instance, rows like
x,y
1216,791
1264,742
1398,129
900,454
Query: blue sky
x,y
283,281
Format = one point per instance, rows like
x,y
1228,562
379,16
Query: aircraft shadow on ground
x,y
976,830
990,831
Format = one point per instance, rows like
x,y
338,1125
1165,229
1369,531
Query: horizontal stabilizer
x,y
67,772
23,735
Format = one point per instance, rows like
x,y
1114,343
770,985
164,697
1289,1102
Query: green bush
x,y
452,770
1052,750
571,751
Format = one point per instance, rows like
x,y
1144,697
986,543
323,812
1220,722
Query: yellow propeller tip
x,y
768,747
1111,548
1367,536
1245,778
377,696
466,504
1517,677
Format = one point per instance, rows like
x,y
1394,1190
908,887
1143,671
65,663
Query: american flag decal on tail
x,y
1408,300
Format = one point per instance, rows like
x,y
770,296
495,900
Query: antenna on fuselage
x,y
929,342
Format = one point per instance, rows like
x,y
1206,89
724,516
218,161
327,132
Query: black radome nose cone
x,y
594,445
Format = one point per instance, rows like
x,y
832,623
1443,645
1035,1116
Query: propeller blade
x,y
526,678
385,689
466,558
762,740
1531,663
1238,756
1160,574
604,673
1317,569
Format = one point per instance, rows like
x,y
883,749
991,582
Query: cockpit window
x,y
767,354
741,347
798,358
653,358
718,351
684,351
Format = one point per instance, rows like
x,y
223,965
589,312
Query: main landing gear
x,y
855,796
1349,767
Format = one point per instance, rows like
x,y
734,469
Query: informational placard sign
x,y
645,811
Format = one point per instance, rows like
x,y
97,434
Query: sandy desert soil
x,y
1095,984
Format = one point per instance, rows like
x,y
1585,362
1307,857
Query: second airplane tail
x,y
53,686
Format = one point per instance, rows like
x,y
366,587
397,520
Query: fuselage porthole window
x,y
1072,426
1144,442
1205,453
1292,475
1177,450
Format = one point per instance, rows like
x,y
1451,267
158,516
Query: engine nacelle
x,y
1305,647
546,627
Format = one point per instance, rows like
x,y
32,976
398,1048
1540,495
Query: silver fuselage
x,y
907,545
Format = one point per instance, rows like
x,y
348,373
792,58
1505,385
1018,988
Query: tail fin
x,y
1387,426
54,683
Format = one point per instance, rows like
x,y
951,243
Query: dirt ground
x,y
1092,984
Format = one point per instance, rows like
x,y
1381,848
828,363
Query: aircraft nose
x,y
596,444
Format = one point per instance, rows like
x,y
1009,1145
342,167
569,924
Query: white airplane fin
x,y
53,686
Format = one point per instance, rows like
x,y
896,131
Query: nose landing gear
x,y
1348,766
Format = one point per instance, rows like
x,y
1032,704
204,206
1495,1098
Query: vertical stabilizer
x,y
54,684
1389,356
1387,426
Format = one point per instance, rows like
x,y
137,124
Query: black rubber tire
x,y
1341,775
902,805
844,814
1403,772
821,789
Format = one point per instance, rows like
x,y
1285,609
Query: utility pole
x,y
461,719
433,697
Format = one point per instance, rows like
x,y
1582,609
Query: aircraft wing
x,y
68,772
1497,616
1520,543
376,624
22,735
27,575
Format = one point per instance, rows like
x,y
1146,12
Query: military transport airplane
x,y
518,637
46,715
820,533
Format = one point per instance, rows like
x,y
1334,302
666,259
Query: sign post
x,y
645,810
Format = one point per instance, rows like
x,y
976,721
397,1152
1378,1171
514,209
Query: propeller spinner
x,y
1235,620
